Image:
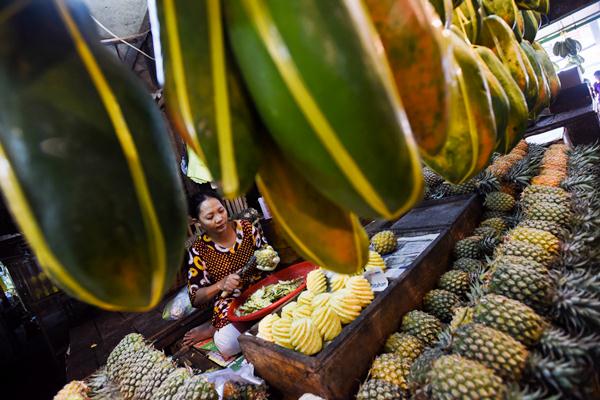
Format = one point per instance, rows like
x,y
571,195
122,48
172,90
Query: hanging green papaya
x,y
505,9
531,25
548,67
518,114
415,48
472,134
544,7
326,94
519,27
318,229
87,165
543,98
468,18
498,36
500,106
204,97
532,92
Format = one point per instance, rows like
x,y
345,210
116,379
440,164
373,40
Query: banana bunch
x,y
567,47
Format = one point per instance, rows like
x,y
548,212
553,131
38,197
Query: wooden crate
x,y
336,372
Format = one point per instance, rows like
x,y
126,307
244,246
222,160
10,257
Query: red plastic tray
x,y
291,272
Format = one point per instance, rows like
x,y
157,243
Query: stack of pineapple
x,y
516,315
136,370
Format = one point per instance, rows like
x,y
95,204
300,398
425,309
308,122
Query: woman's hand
x,y
230,283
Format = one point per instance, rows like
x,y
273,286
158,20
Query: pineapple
x,y
486,232
440,303
519,262
74,390
556,198
511,317
431,178
494,349
499,201
406,346
377,389
170,386
384,242
488,214
239,391
544,190
267,258
522,284
463,188
196,388
121,354
138,369
457,378
392,368
154,378
546,240
424,326
498,224
543,211
455,281
417,377
468,248
547,226
548,180
527,250
468,265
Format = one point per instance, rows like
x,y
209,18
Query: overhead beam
x,y
561,8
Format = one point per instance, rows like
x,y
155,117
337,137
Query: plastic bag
x,y
243,375
179,306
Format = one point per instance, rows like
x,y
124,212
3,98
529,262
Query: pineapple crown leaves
x,y
516,392
559,376
577,310
486,182
580,348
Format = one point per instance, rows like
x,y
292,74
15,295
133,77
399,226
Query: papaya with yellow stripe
x,y
205,99
88,169
543,99
500,105
444,8
505,9
327,96
472,134
531,24
412,37
519,27
467,17
318,229
518,113
498,36
548,67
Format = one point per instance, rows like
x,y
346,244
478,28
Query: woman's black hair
x,y
199,198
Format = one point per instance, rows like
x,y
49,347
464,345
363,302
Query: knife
x,y
241,272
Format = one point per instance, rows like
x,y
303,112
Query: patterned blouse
x,y
210,262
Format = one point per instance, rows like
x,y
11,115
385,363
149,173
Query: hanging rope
x,y
120,39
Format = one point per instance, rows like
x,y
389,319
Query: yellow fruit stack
x,y
327,322
316,281
281,332
321,300
338,281
345,305
375,261
265,327
288,309
361,290
305,337
306,297
301,311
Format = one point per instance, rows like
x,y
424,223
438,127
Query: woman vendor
x,y
215,259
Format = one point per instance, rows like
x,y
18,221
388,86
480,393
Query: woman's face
x,y
213,216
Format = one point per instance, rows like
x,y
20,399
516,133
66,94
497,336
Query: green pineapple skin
x,y
384,242
552,227
407,346
524,285
526,250
521,262
196,388
494,349
170,386
457,378
378,389
497,223
422,325
551,212
420,368
457,282
467,265
440,303
392,368
499,201
546,240
468,248
511,317
154,378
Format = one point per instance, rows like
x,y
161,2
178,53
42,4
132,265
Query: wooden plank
x,y
337,370
566,118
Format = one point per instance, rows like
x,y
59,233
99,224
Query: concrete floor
x,y
122,17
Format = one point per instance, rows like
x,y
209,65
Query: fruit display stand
x,y
336,371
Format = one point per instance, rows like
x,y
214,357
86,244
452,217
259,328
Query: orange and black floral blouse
x,y
209,263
